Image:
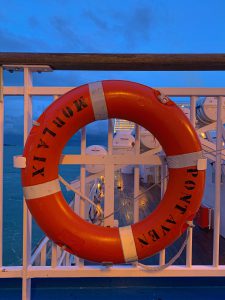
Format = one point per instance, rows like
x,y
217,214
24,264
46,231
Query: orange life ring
x,y
101,100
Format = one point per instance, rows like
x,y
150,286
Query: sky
x,y
97,26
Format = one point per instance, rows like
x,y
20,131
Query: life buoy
x,y
102,100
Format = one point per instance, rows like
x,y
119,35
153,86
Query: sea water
x,y
13,199
13,206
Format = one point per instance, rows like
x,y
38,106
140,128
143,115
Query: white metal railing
x,y
60,265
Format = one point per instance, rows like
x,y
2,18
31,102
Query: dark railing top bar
x,y
122,62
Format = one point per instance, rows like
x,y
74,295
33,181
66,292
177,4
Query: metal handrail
x,y
122,62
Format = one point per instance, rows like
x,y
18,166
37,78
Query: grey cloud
x,y
69,36
9,41
96,20
135,26
64,29
33,22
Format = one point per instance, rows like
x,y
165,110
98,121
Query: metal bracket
x,y
32,68
202,164
19,162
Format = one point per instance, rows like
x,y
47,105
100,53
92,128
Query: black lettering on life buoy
x,y
80,103
182,209
68,112
171,220
43,159
186,198
59,122
194,172
165,229
47,130
154,235
39,171
143,241
189,185
42,144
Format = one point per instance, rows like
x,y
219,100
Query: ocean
x,y
13,197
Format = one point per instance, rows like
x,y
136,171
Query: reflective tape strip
x,y
98,100
128,245
41,190
19,162
202,164
184,160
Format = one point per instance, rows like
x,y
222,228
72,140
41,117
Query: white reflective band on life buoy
x,y
98,100
184,160
41,190
128,244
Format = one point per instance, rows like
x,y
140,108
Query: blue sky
x,y
97,26
156,26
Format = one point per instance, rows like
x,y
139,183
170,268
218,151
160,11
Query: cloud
x,y
135,27
33,22
72,38
11,42
99,22
15,42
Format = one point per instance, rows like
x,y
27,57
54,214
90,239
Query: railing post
x,y
82,210
109,181
136,175
43,255
216,235
27,220
164,171
1,161
190,237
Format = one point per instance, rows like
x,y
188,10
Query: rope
x,y
135,199
80,194
171,261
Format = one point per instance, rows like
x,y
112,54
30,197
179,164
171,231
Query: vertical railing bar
x,y
68,259
43,255
54,255
190,237
76,206
193,110
156,174
162,254
136,174
27,220
1,162
216,233
55,97
82,174
110,136
109,180
82,210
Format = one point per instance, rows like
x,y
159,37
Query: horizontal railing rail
x,y
122,62
172,92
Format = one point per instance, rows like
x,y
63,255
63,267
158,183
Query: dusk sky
x,y
97,26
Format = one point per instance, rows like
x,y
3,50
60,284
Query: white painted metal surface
x,y
1,159
95,150
27,219
216,244
59,259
